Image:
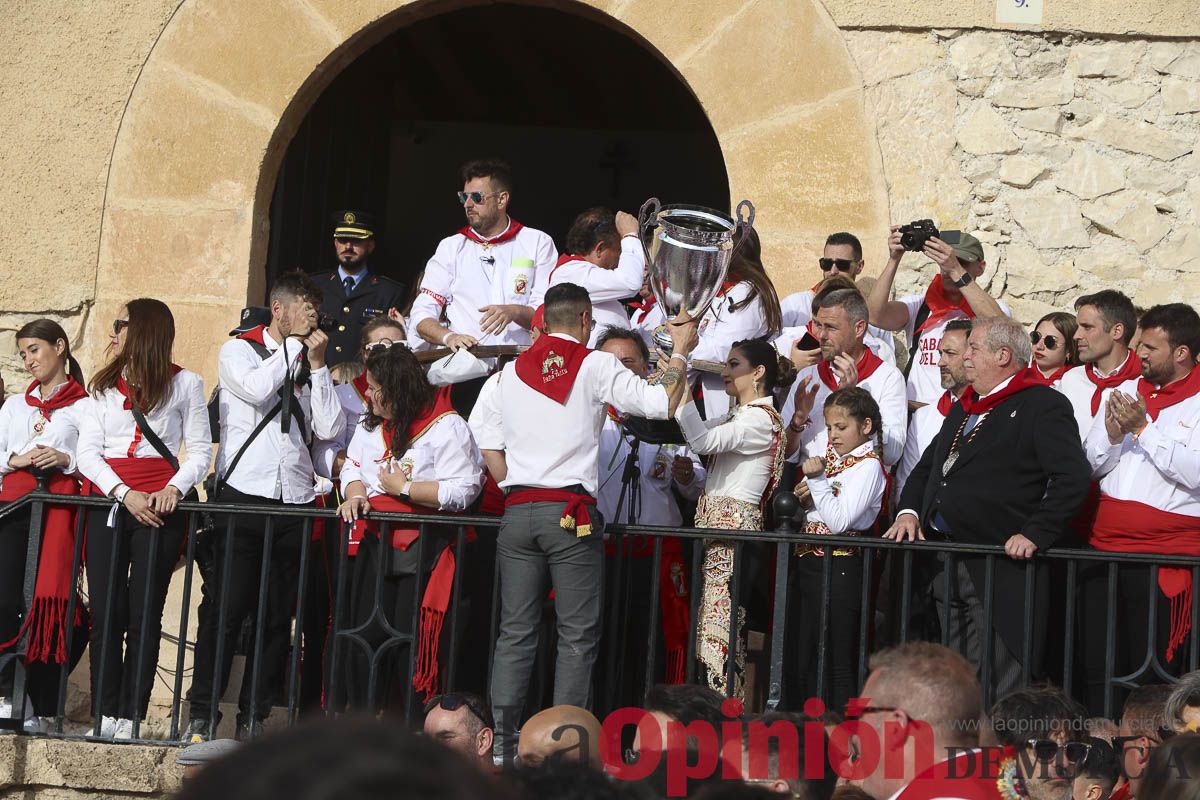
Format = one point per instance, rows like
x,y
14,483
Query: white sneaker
x,y
35,724
124,730
108,727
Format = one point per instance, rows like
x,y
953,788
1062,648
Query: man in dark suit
x,y
353,294
1007,468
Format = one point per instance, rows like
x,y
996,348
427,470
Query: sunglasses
x,y
119,325
843,264
1047,750
1050,340
382,344
453,701
1120,743
474,197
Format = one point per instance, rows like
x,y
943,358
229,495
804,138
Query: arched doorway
x,y
586,114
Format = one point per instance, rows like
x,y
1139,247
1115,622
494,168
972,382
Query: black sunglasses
x,y
119,325
383,344
474,197
1046,750
1050,339
453,701
843,264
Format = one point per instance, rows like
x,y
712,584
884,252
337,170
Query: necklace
x,y
952,458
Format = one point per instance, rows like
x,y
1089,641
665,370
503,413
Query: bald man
x,y
560,733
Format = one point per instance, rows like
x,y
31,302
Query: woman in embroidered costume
x,y
844,488
410,453
747,460
1054,348
38,433
144,410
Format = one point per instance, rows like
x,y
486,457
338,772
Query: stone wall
x,y
52,769
1071,158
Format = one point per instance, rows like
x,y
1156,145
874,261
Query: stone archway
x,y
196,156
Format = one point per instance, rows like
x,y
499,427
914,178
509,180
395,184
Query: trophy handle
x,y
647,216
743,225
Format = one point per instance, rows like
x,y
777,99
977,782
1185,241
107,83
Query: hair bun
x,y
787,372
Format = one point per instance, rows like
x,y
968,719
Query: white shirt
x,y
645,322
923,427
107,430
1161,468
924,377
797,313
553,446
275,466
325,451
606,287
849,501
445,453
460,281
18,437
742,441
1079,389
885,384
657,505
719,329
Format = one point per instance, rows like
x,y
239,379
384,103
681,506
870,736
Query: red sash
x,y
1035,375
1131,369
575,516
143,474
940,306
68,394
973,404
1169,395
1127,526
492,502
48,615
509,234
868,362
551,365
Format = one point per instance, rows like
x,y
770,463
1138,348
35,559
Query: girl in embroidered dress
x,y
38,434
747,460
410,453
844,487
132,547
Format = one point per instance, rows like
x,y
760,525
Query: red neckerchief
x,y
360,386
726,285
946,402
973,404
645,305
1035,375
440,407
68,394
551,365
1169,395
123,387
508,235
940,307
1130,370
566,258
868,362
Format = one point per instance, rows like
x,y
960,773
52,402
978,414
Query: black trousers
x,y
805,638
128,575
241,598
1137,634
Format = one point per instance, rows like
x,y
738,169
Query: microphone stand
x,y
631,487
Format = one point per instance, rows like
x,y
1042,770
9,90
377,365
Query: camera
x,y
914,235
326,323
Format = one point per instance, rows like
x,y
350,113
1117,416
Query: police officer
x,y
352,292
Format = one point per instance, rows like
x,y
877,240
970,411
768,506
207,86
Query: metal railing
x,y
881,620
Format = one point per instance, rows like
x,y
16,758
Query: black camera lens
x,y
914,235
326,322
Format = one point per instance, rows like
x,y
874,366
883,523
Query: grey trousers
x,y
533,546
962,615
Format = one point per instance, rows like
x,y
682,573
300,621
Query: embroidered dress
x,y
869,484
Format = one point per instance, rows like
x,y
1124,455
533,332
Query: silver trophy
x,y
688,250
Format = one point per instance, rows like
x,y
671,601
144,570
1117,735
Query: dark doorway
x,y
586,115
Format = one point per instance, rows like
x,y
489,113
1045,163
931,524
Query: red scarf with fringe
x,y
508,235
1130,370
551,365
940,306
47,616
1127,526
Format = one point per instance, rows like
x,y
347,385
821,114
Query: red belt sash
x,y
47,616
575,516
1127,526
436,599
143,474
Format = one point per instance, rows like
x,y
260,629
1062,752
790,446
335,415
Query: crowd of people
x,y
966,429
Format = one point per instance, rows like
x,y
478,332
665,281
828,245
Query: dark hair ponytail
x,y
861,406
50,331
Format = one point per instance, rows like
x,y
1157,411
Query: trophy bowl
x,y
688,249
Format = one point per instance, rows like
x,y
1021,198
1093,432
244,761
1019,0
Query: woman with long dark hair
x,y
410,453
746,307
38,434
747,454
144,411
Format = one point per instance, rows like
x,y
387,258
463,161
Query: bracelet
x,y
447,336
792,427
358,497
680,356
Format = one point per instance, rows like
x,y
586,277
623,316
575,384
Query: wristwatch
x,y
964,280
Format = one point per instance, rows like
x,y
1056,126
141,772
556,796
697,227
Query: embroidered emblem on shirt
x,y
521,284
406,466
1008,784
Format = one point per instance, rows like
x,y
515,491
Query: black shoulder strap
x,y
918,321
259,428
153,439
